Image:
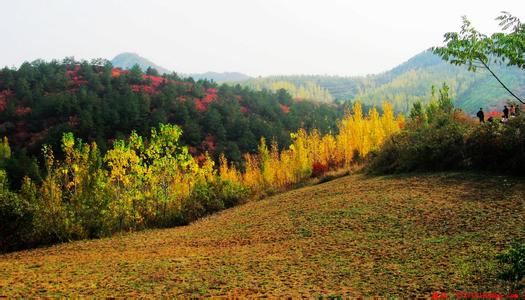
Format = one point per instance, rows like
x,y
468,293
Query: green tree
x,y
135,74
417,113
152,71
477,50
16,217
444,101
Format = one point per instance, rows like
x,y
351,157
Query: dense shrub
x,y
498,147
452,141
439,146
433,140
210,197
231,193
16,217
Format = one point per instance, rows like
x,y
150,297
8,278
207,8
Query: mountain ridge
x,y
412,81
126,60
403,85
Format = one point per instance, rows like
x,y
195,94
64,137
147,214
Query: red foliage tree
x,y
319,169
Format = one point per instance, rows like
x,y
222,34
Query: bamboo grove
x,y
154,182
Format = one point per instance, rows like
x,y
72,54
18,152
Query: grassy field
x,y
356,235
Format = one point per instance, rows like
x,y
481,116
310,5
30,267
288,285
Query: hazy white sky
x,y
257,37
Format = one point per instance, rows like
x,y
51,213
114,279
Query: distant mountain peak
x,y
127,60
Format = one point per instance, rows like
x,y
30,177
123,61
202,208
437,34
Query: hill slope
x,y
411,81
301,89
351,236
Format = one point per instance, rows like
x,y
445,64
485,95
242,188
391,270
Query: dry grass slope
x,y
352,236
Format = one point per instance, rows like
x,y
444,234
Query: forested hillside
x,y
312,87
301,88
410,82
405,84
97,102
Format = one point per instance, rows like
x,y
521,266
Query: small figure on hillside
x,y
512,110
490,119
505,112
481,115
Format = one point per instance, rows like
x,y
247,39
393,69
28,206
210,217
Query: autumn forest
x,y
122,178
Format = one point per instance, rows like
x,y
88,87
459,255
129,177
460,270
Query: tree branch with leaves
x,y
476,50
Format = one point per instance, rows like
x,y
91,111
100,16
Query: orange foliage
x,y
284,108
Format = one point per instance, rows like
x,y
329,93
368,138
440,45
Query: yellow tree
x,y
228,172
388,120
264,158
167,162
376,131
5,150
125,171
252,176
302,158
346,139
84,184
328,151
51,213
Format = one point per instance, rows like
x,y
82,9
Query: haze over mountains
x,y
403,85
126,60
